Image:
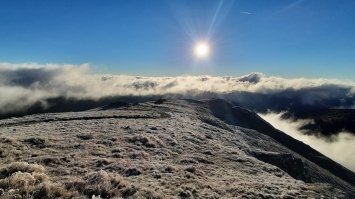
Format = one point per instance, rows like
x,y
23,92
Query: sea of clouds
x,y
22,85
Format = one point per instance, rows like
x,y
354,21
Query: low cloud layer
x,y
340,147
22,85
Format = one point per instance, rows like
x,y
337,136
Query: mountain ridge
x,y
174,149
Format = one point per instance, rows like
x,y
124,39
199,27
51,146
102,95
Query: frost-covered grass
x,y
20,179
145,151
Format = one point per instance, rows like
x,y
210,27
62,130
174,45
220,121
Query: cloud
x,y
246,13
29,65
22,85
338,147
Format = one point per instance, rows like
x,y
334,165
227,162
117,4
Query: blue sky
x,y
292,38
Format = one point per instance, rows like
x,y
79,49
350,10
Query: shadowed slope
x,y
238,116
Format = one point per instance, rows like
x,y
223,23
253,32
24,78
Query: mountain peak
x,y
254,77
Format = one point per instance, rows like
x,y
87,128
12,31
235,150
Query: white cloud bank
x,y
22,85
340,147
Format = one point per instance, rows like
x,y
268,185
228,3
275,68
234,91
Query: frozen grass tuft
x,y
138,155
147,141
20,166
29,181
102,184
49,190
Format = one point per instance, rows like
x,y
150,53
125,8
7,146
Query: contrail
x,y
296,3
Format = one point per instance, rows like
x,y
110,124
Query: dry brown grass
x,y
21,166
29,181
49,190
138,155
147,141
103,184
179,157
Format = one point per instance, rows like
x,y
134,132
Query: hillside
x,y
170,149
327,122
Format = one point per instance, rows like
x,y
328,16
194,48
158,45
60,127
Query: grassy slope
x,y
174,150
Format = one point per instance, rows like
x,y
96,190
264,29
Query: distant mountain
x,y
326,121
61,104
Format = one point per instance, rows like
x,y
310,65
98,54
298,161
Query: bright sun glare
x,y
202,50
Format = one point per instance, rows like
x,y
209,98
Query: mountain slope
x,y
238,116
327,122
176,149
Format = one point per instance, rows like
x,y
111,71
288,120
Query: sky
x,y
290,38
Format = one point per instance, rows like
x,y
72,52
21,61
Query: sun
x,y
202,50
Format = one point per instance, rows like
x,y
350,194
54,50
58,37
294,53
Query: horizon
x,y
294,38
